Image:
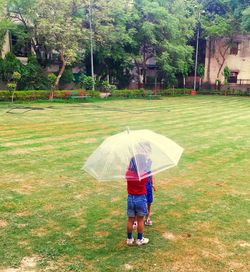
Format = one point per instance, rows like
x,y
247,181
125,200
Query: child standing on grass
x,y
150,187
136,203
149,195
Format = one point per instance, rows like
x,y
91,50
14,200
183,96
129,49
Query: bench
x,y
76,94
152,94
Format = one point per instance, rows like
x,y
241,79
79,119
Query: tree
x,y
5,24
61,30
23,13
222,21
245,23
10,64
109,38
33,76
13,84
161,30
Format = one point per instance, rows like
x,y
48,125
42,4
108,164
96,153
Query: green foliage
x,y
9,65
25,95
11,86
201,70
16,76
162,31
245,24
141,93
33,76
218,27
95,94
127,93
52,79
67,76
30,95
5,23
105,86
175,92
225,18
226,73
86,82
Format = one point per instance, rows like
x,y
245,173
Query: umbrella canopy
x,y
143,151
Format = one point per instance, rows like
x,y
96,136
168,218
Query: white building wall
x,y
239,63
6,45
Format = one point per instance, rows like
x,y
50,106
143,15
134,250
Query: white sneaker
x,y
142,241
148,222
130,241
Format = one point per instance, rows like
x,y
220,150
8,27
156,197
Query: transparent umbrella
x,y
144,150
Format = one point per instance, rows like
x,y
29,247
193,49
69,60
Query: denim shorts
x,y
137,205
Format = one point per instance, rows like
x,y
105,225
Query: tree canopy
x,y
125,33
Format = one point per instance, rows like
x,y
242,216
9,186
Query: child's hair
x,y
132,165
138,164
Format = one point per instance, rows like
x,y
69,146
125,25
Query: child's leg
x,y
135,223
140,225
130,225
149,212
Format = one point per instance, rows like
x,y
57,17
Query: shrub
x,y
86,82
81,93
52,80
5,95
67,76
105,86
33,76
11,87
175,92
25,95
127,93
9,65
16,76
93,93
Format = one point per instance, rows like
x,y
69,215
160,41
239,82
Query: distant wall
x,y
239,62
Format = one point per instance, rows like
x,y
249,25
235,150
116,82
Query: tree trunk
x,y
12,96
222,54
59,75
144,65
209,60
138,74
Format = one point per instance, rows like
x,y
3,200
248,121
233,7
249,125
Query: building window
x,y
20,47
233,77
234,48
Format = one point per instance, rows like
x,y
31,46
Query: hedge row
x,y
225,92
41,95
44,94
143,93
127,93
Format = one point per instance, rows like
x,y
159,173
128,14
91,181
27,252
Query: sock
x,y
129,235
139,236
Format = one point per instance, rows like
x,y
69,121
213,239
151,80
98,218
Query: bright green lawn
x,y
53,217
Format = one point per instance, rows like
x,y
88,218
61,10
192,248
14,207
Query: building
x,y
233,54
10,44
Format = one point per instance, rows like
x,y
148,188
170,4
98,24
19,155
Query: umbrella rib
x,y
107,160
158,145
134,155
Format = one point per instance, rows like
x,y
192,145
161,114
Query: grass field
x,y
54,217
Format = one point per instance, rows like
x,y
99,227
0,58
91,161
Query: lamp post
x,y
197,48
91,45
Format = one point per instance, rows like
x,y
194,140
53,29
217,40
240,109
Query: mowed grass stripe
x,y
98,117
60,214
201,120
